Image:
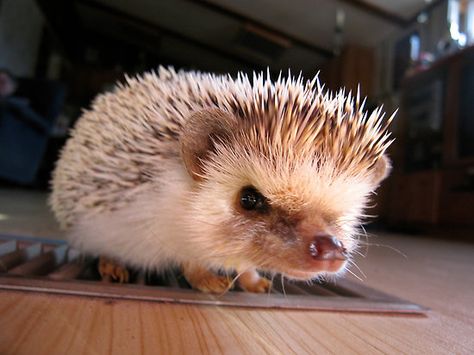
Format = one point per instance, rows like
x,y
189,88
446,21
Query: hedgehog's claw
x,y
111,270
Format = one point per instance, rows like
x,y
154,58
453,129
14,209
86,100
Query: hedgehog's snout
x,y
326,247
328,250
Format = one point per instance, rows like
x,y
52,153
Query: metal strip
x,y
234,299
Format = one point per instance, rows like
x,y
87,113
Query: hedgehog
x,y
220,176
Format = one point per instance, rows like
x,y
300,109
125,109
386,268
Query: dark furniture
x,y
24,136
433,180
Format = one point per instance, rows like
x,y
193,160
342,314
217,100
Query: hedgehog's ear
x,y
200,133
381,169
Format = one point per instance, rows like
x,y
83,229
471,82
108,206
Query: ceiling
x,y
404,8
248,34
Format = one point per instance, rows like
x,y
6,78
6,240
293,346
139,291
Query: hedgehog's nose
x,y
325,247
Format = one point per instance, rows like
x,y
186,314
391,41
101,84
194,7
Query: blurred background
x,y
56,56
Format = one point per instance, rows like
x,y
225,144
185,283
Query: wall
x,y
21,24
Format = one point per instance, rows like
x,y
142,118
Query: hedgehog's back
x,y
120,144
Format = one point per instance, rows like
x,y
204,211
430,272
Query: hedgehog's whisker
x,y
366,238
388,247
232,283
283,284
359,253
357,267
353,274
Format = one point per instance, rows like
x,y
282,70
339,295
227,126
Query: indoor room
x,y
218,176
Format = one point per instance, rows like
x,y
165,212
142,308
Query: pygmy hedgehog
x,y
210,174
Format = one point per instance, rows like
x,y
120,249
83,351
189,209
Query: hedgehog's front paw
x,y
211,284
111,270
251,281
205,280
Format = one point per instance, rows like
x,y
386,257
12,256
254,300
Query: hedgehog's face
x,y
293,216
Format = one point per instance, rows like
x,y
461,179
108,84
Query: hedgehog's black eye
x,y
252,200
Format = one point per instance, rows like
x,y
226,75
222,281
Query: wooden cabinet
x,y
414,198
457,199
354,66
431,198
431,184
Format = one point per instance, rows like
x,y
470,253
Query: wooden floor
x,y
437,274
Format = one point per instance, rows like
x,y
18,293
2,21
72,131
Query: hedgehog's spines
x,y
142,120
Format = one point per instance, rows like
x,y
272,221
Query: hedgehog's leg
x,y
111,270
204,280
251,281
